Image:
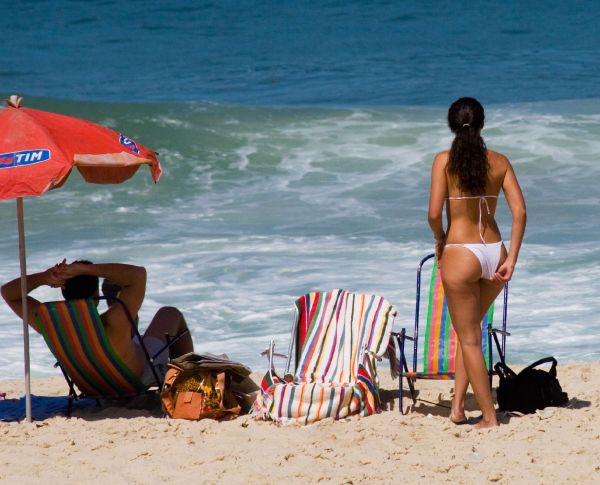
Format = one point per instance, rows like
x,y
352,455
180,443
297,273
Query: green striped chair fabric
x,y
76,336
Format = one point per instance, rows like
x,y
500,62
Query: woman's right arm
x,y
516,204
437,195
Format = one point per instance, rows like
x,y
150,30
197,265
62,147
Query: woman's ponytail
x,y
467,161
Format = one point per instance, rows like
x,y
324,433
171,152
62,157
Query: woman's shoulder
x,y
441,158
499,165
497,158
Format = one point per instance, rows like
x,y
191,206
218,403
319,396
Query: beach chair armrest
x,y
275,354
373,355
401,335
501,332
270,353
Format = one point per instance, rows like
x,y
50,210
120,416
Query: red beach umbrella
x,y
38,150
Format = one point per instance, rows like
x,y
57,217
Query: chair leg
x,y
411,387
501,356
72,392
401,392
400,339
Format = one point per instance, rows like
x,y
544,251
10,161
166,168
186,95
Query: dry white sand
x,y
130,446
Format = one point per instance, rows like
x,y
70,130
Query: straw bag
x,y
200,386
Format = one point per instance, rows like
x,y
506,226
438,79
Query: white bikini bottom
x,y
487,254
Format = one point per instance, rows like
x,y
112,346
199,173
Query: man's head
x,y
82,286
110,290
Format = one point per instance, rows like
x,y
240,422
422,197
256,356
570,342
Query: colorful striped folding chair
x,y
436,351
337,337
76,336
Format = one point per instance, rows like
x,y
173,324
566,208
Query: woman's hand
x,y
439,249
504,272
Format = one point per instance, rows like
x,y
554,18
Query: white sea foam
x,y
170,121
243,160
249,215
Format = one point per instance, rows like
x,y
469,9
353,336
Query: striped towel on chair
x,y
338,337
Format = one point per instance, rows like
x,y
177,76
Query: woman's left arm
x,y
516,204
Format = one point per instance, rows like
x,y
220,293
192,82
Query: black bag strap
x,y
503,371
545,360
499,348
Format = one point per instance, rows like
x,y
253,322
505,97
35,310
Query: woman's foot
x,y
457,411
490,422
458,418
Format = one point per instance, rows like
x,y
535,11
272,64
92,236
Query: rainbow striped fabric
x,y
439,343
75,334
338,335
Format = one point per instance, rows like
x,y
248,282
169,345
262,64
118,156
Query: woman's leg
x,y
461,274
488,291
170,321
461,384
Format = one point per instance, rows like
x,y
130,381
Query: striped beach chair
x,y
337,338
433,354
76,336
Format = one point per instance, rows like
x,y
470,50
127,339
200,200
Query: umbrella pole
x,y
25,309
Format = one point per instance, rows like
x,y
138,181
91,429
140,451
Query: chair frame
x,y
270,353
401,338
293,346
75,396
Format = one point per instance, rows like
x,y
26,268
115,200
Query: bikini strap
x,y
458,197
482,200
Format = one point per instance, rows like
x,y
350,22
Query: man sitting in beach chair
x,y
104,355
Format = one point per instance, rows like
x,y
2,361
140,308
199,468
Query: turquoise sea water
x,y
296,144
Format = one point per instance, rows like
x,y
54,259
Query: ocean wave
x,y
259,205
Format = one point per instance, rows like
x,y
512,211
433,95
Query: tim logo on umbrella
x,y
25,157
129,144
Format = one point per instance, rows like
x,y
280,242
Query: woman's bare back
x,y
471,218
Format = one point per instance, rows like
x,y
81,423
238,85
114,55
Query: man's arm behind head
x,y
12,294
131,279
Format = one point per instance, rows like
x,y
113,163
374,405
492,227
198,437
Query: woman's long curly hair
x,y
467,161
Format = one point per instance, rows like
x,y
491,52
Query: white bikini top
x,y
482,200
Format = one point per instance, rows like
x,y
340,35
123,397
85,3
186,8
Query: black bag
x,y
530,389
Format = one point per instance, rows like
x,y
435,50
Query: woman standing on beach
x,y
472,258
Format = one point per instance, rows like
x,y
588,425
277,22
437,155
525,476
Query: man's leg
x,y
169,321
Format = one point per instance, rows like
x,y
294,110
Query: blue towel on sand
x,y
42,407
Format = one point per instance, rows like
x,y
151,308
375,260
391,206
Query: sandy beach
x,y
297,147
130,446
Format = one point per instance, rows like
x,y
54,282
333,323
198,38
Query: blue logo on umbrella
x,y
129,144
25,157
